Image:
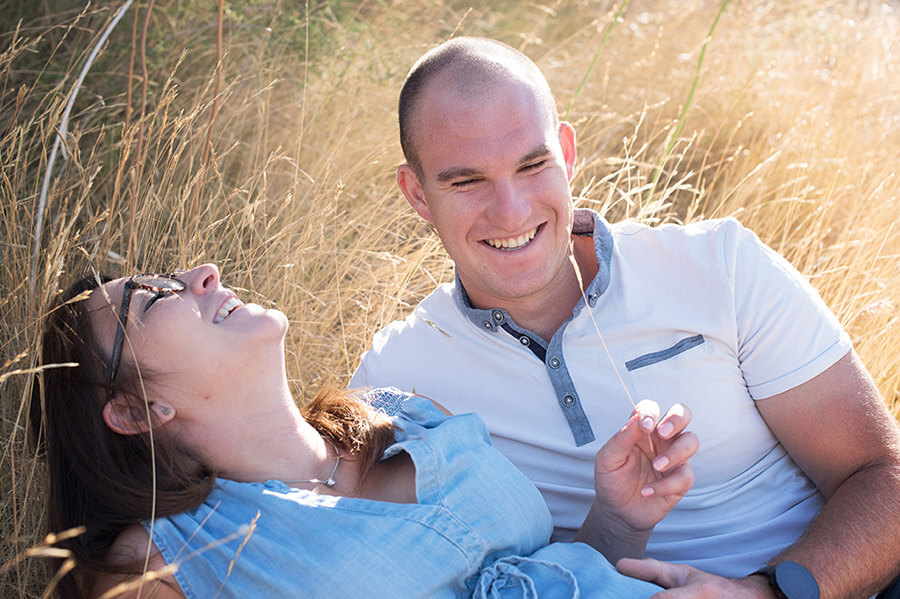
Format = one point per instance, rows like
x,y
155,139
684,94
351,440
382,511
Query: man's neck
x,y
544,313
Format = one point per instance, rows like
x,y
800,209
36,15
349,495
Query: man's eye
x,y
464,183
534,165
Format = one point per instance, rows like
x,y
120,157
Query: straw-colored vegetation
x,y
279,164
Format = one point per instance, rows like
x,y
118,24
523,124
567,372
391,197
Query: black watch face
x,y
795,581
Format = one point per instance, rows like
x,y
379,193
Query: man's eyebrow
x,y
456,173
540,152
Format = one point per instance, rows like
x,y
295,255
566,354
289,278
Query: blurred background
x,y
262,136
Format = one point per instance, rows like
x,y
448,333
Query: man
x,y
799,459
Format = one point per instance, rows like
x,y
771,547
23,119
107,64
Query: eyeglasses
x,y
161,284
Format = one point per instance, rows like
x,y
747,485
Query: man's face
x,y
495,184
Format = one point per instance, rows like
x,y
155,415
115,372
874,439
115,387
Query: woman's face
x,y
201,341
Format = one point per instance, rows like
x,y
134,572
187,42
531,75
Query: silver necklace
x,y
328,482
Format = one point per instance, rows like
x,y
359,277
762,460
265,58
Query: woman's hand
x,y
639,475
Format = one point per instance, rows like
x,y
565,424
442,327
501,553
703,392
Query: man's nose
x,y
511,206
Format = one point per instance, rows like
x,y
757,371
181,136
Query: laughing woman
x,y
176,442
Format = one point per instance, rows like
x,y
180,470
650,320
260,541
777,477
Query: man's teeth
x,y
226,309
512,242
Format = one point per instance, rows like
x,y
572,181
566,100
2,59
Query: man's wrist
x,y
789,580
612,536
760,583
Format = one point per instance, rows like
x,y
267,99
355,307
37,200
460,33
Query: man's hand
x,y
685,582
643,470
639,475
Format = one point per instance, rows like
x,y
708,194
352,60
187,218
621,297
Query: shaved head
x,y
470,69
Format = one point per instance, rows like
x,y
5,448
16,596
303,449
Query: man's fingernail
x,y
647,491
647,423
660,463
666,429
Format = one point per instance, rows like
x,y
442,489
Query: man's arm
x,y
837,428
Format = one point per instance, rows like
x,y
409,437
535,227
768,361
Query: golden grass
x,y
794,128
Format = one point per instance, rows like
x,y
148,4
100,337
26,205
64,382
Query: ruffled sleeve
x,y
386,400
558,571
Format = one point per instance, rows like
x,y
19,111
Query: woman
x,y
177,441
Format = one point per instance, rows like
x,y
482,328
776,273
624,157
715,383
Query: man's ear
x,y
567,143
412,190
129,417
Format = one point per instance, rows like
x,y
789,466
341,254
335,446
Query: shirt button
x,y
488,325
498,315
554,363
524,340
568,401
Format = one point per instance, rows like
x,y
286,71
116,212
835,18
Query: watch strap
x,y
790,580
769,573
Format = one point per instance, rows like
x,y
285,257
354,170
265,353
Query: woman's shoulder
x,y
391,400
130,551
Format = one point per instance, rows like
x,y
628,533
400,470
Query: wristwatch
x,y
790,580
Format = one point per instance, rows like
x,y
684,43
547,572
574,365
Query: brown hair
x,y
477,64
105,481
352,424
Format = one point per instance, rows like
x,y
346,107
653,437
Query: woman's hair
x,y
105,481
352,424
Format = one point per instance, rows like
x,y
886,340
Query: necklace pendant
x,y
329,482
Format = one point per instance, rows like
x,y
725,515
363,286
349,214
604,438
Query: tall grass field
x,y
262,135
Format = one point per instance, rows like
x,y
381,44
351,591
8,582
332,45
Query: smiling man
x,y
494,181
799,460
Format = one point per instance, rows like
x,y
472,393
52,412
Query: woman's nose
x,y
201,279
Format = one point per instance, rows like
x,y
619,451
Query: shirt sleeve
x,y
360,378
786,333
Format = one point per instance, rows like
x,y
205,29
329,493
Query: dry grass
x,y
794,128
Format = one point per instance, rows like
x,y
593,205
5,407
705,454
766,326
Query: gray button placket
x,y
554,361
526,338
566,395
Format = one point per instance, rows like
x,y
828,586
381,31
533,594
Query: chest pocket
x,y
665,354
704,375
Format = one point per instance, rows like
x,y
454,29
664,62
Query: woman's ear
x,y
128,417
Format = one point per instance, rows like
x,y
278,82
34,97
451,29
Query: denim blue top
x,y
479,529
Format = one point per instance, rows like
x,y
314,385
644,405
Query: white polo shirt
x,y
702,314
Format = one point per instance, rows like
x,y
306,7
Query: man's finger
x,y
664,574
678,452
674,422
675,483
648,414
616,450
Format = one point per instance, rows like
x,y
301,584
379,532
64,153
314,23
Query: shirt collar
x,y
586,222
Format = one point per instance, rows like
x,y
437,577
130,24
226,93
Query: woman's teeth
x,y
513,242
226,309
